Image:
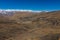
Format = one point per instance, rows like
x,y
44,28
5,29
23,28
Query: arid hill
x,y
30,26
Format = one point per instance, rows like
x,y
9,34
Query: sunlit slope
x,y
28,26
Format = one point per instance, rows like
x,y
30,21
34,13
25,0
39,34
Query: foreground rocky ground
x,y
41,26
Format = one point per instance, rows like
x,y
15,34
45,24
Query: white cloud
x,y
9,10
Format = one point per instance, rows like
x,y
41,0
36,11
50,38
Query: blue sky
x,y
30,4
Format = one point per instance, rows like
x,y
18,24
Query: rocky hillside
x,y
31,26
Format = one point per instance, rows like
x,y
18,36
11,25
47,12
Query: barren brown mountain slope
x,y
28,26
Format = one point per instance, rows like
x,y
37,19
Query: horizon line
x,y
26,10
23,10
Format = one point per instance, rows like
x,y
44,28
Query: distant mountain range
x,y
13,13
10,12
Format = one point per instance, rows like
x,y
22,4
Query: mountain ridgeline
x,y
30,26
